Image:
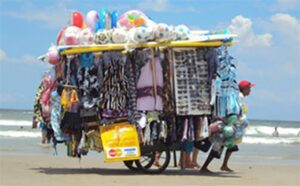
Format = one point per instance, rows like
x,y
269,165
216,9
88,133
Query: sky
x,y
267,49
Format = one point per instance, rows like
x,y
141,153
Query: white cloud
x,y
285,5
247,38
2,55
287,25
29,59
50,17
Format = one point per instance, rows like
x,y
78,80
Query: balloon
x,y
104,20
92,18
77,19
53,56
114,18
71,35
228,131
59,40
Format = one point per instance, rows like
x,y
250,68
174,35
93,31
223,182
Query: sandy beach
x,y
49,170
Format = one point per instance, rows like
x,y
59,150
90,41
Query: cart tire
x,y
130,164
145,163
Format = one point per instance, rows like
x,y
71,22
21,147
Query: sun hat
x,y
245,84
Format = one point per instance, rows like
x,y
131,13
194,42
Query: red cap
x,y
245,84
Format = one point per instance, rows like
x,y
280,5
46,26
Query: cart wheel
x,y
130,165
148,165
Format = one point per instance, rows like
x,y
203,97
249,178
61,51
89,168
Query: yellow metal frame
x,y
98,48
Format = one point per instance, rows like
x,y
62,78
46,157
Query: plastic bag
x,y
120,142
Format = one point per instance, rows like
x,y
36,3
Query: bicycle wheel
x,y
130,165
148,164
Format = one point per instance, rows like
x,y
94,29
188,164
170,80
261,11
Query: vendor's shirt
x,y
243,106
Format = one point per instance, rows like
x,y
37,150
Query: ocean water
x,y
259,146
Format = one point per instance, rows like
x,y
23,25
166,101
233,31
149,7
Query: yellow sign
x,y
120,142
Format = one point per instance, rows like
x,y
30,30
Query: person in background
x,y
275,133
245,90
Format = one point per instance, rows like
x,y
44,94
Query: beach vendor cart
x,y
135,89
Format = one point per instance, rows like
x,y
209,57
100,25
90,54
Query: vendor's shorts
x,y
217,154
233,149
187,146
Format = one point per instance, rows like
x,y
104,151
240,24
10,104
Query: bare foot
x,y
196,165
225,168
205,171
156,164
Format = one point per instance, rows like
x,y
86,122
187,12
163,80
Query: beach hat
x,y
245,84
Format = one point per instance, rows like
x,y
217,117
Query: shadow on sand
x,y
126,172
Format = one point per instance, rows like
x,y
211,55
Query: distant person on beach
x,y
275,133
245,89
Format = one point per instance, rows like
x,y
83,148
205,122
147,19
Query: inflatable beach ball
x,y
60,36
132,19
217,146
215,127
231,119
140,35
239,132
102,37
119,36
162,32
228,131
172,34
182,32
86,36
71,35
229,142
